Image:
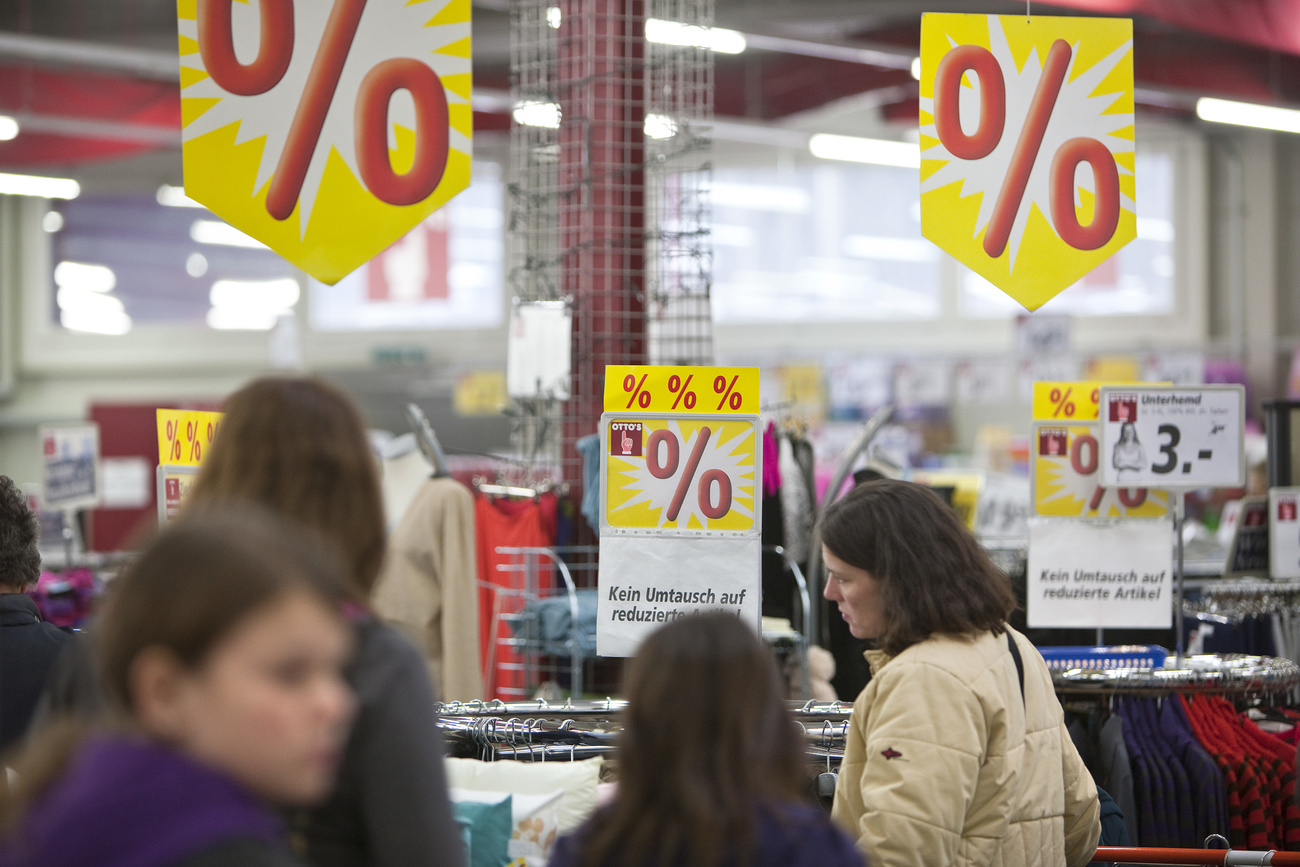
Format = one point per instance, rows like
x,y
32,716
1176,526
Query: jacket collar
x,y
876,659
18,609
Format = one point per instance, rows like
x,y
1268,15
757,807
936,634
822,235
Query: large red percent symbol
x,y
370,120
993,110
664,467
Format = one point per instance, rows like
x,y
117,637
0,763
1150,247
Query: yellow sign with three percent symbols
x,y
1066,477
185,436
1066,401
324,130
670,473
681,390
1027,140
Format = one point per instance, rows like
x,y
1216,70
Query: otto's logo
x,y
1123,407
625,439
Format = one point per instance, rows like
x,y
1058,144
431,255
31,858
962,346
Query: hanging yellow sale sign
x,y
325,130
185,435
1027,139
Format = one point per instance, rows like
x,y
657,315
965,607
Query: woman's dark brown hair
x,y
20,561
935,576
298,446
706,741
199,579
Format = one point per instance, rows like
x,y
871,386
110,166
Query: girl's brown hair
x,y
199,579
298,446
707,740
935,576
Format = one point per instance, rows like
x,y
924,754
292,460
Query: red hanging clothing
x,y
503,523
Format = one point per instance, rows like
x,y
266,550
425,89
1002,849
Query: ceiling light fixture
x,y
85,277
543,114
1248,114
660,126
8,128
554,17
34,185
676,33
865,150
174,197
216,232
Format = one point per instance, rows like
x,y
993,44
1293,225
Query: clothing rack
x,y
1226,674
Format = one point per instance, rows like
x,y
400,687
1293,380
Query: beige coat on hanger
x,y
429,586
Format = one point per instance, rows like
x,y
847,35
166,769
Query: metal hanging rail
x,y
1227,857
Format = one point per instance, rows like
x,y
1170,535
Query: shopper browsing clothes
x,y
28,646
711,764
299,447
222,650
957,751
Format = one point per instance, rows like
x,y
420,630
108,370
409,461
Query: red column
x,y
602,207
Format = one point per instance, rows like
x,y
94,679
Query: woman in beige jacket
x,y
957,751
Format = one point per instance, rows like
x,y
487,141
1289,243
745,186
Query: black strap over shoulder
x,y
1020,664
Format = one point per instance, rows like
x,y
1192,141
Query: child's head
x,y
298,445
705,700
226,640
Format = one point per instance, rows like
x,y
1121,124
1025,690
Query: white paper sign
x,y
1165,437
539,350
1284,532
1088,573
646,582
71,462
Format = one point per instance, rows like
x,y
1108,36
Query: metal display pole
x,y
1180,514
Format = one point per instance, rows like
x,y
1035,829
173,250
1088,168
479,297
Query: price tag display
x,y
72,472
1284,532
681,390
680,474
184,436
1067,483
1158,436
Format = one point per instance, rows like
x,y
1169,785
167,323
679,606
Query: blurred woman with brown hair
x,y
299,446
711,764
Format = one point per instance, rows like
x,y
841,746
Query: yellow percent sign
x,y
1027,140
350,124
680,473
1066,478
652,388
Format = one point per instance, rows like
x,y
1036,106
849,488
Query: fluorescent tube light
x,y
8,128
553,17
79,275
274,295
174,197
1248,114
544,114
676,33
865,150
95,323
34,185
660,126
216,232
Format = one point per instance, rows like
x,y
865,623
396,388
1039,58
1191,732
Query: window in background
x,y
1136,281
447,272
821,243
124,261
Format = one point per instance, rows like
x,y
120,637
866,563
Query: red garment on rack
x,y
503,523
1208,738
1220,732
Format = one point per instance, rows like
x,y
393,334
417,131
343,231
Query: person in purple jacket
x,y
711,764
222,650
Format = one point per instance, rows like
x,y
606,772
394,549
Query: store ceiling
x,y
80,106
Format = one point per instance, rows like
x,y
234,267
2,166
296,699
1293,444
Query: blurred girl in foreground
x,y
711,764
298,446
222,651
